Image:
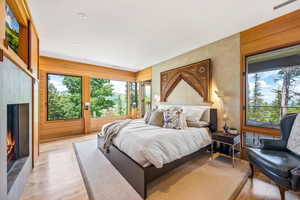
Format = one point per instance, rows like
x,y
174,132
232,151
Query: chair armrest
x,y
273,144
295,178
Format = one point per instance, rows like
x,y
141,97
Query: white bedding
x,y
148,144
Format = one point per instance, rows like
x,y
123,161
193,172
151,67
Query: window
x,y
273,86
133,96
64,97
146,96
12,29
108,98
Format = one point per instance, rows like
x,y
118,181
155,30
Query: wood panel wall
x,y
53,65
144,75
280,32
50,130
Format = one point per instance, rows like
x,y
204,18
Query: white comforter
x,y
148,144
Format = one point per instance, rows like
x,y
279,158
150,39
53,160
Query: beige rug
x,y
201,178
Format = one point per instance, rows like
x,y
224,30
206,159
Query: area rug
x,y
201,178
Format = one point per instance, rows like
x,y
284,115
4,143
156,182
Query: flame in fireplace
x,y
10,143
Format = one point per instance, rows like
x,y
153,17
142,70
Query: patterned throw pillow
x,y
174,118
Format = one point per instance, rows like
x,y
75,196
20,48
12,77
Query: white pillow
x,y
194,115
199,124
294,139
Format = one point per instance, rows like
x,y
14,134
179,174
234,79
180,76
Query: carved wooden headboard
x,y
197,75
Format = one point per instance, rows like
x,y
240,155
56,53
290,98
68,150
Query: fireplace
x,y
15,130
17,139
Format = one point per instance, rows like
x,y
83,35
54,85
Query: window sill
x,y
266,131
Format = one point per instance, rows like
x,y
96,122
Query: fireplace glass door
x,y
17,134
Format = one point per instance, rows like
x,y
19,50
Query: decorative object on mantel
x,y
197,75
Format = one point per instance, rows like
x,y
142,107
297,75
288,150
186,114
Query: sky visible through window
x,y
270,81
10,19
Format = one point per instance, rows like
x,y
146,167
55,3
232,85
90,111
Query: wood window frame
x,y
21,14
245,127
248,128
47,97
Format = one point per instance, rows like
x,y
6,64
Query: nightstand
x,y
225,138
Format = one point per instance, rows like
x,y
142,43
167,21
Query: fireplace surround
x,y
15,130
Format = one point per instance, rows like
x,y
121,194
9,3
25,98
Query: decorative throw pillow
x,y
294,139
194,114
199,124
174,118
147,116
156,118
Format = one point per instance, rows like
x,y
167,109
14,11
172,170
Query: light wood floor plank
x,y
57,176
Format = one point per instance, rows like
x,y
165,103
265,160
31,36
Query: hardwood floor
x,y
57,176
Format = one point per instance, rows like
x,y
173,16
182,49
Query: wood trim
x,y
2,22
19,10
265,131
197,75
33,55
24,49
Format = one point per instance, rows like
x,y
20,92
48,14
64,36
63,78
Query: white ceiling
x,y
134,34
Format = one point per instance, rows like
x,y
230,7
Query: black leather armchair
x,y
276,161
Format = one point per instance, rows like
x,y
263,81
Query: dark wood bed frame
x,y
139,176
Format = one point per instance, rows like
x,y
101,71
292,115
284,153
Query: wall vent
x,y
283,4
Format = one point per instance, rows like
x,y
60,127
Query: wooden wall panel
x,y
2,21
280,32
97,123
144,75
54,129
52,65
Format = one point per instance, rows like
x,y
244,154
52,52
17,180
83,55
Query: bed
x,y
140,169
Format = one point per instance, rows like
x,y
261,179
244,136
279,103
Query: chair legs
x,y
252,171
282,191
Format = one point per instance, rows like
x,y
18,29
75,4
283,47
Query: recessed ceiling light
x,y
82,15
